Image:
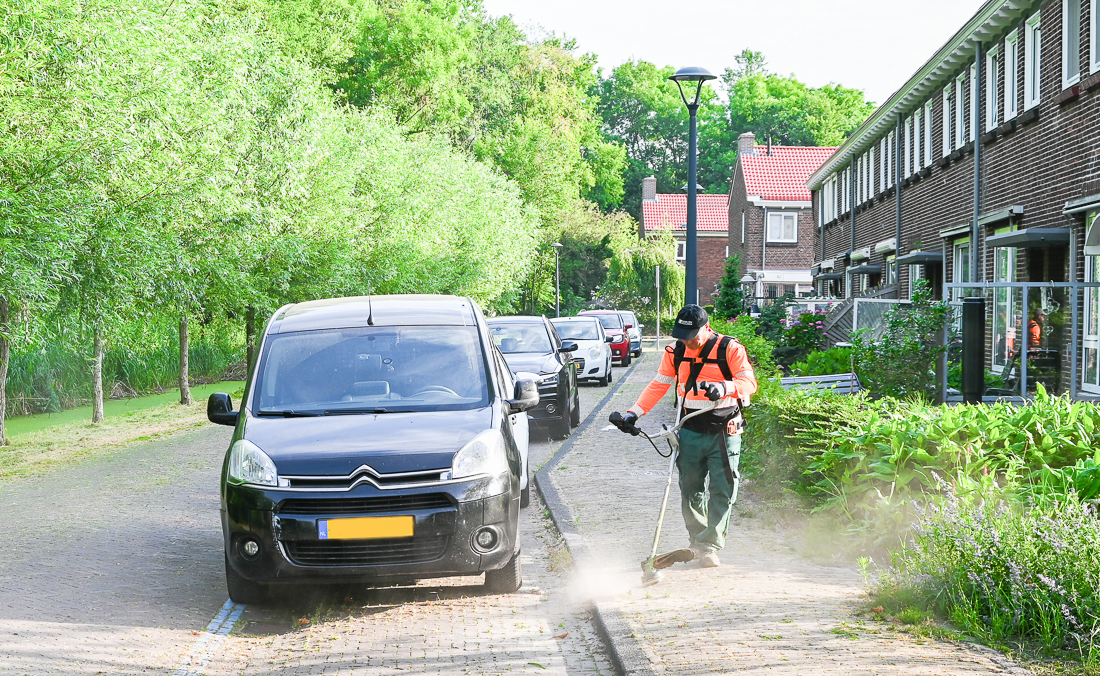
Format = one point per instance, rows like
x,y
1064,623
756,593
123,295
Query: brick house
x,y
771,224
669,213
984,168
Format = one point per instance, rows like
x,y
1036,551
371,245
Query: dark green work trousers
x,y
703,457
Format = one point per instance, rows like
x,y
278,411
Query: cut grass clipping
x,y
38,452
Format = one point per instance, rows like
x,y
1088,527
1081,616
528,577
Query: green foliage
x,y
759,348
902,363
772,320
731,297
805,333
825,362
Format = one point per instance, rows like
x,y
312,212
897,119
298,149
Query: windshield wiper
x,y
356,411
291,414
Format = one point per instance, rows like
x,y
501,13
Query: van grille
x,y
370,505
390,551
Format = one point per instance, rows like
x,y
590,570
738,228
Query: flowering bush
x,y
804,333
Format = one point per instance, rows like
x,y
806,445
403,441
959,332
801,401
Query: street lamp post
x,y
557,280
698,76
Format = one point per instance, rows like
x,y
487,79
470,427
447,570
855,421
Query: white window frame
x,y
1033,67
947,122
783,216
917,136
907,166
1071,44
1004,302
973,121
890,270
1090,328
960,111
957,265
1094,36
1012,74
891,158
992,83
681,250
871,173
915,272
928,120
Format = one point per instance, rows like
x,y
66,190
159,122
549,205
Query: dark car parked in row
x,y
375,442
531,345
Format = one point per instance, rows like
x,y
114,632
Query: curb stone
x,y
623,648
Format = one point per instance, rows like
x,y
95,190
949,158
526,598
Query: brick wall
x,y
778,256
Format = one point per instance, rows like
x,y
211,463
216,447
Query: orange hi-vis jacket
x,y
740,388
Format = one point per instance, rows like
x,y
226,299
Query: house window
x,y
1032,45
960,110
891,157
972,125
911,135
1090,370
1094,36
946,121
915,272
681,250
871,173
891,270
885,160
1012,74
928,134
1004,305
962,266
1071,42
992,84
782,227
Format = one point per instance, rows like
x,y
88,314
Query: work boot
x,y
709,559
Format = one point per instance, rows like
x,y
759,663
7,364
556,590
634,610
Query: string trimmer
x,y
651,567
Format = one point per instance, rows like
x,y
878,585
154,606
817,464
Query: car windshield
x,y
371,370
610,321
630,319
513,337
577,330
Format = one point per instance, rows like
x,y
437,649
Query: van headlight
x,y
249,465
484,454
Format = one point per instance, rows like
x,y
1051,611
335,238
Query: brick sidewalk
x,y
765,609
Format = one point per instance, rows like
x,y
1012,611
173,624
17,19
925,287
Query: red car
x,y
613,323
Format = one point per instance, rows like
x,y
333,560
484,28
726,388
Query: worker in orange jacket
x,y
710,443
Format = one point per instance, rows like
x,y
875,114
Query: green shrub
x,y
759,348
825,363
1006,572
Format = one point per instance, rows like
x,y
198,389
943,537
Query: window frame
x,y
681,250
1033,45
960,110
1094,36
1012,75
928,120
947,121
1069,42
783,215
973,117
1003,297
992,85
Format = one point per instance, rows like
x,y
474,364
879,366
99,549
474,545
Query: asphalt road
x,y
114,566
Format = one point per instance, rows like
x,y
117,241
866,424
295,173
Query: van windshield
x,y
371,370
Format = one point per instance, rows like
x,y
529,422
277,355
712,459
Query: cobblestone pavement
x,y
766,609
114,566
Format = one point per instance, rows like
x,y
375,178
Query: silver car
x,y
633,332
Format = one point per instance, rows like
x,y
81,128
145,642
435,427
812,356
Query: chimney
x,y
746,143
649,188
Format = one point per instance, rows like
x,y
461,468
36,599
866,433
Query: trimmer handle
x,y
618,421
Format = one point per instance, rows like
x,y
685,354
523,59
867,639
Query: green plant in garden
x,y
759,349
731,297
825,362
802,335
902,362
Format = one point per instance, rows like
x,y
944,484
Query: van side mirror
x,y
219,409
568,346
526,396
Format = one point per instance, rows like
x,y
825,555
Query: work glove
x,y
625,423
714,391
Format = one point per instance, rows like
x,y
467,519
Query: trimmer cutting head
x,y
650,575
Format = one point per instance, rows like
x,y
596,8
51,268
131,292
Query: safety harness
x,y
736,419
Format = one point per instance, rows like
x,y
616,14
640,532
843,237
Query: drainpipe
x,y
764,244
897,202
975,230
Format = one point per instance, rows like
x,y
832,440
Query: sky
x,y
873,45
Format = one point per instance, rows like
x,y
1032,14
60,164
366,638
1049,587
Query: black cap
x,y
689,322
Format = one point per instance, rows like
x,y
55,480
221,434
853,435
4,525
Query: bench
x,y
841,383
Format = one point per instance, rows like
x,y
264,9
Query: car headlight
x,y
484,454
594,352
249,465
548,379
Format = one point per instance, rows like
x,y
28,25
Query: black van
x,y
375,443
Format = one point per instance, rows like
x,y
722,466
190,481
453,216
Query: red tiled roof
x,y
670,211
782,176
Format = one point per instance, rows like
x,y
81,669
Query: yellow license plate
x,y
366,528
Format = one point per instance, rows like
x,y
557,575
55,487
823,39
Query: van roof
x,y
359,311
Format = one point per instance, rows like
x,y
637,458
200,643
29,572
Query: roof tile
x,y
670,212
782,176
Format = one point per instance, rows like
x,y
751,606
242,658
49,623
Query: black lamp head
x,y
692,74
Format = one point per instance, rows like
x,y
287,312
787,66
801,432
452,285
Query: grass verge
x,y
38,452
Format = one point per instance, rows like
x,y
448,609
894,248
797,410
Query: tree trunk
x,y
249,336
5,353
185,389
97,376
